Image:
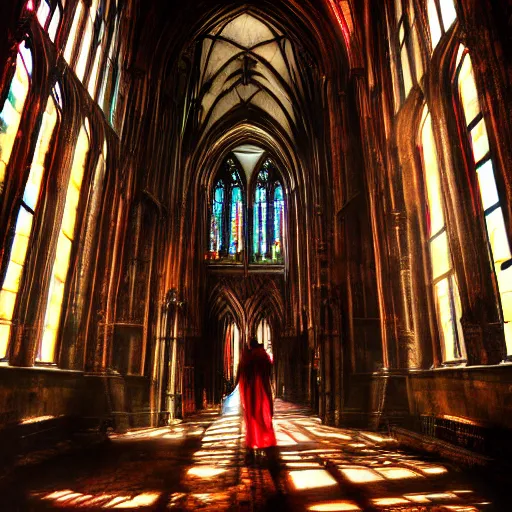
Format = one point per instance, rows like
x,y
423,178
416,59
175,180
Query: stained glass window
x,y
441,15
492,206
236,239
216,242
268,216
47,348
227,230
12,110
446,293
11,284
260,219
277,247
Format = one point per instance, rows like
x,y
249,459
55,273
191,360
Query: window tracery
x,y
227,218
443,279
482,164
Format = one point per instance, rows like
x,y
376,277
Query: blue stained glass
x,y
260,222
216,225
236,220
277,250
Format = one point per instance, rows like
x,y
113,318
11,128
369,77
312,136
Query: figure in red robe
x,y
254,374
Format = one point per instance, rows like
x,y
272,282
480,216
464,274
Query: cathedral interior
x,y
331,176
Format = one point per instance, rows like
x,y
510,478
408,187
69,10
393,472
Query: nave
x,y
198,464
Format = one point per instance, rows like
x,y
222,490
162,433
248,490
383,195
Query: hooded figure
x,y
254,374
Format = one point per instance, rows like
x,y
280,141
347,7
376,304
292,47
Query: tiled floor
x,y
199,465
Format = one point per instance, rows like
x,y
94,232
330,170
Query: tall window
x,y
228,232
444,283
408,49
47,348
10,115
217,219
268,216
441,15
92,49
227,215
465,85
236,218
24,221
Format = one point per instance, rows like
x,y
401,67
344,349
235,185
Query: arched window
x,y
444,283
277,246
217,219
226,241
227,235
25,217
12,110
236,218
92,49
260,231
474,123
441,15
268,216
47,348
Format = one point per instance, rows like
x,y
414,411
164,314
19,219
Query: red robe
x,y
256,397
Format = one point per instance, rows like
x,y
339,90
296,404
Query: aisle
x,y
199,465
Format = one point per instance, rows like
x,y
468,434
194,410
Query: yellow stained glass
x,y
458,315
488,190
68,52
7,303
62,257
31,194
11,112
91,87
440,255
19,248
68,220
24,222
497,236
433,21
467,90
5,331
12,277
406,70
442,294
432,178
480,141
84,50
506,304
63,251
508,337
47,353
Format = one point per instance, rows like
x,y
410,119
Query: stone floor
x,y
199,465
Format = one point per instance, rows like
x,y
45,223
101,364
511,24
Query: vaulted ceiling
x,y
247,62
